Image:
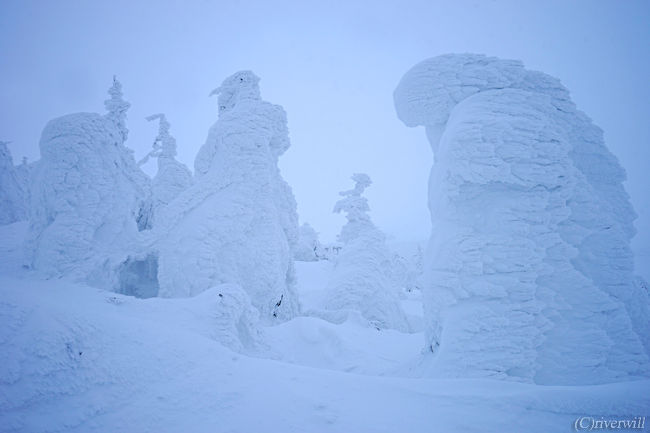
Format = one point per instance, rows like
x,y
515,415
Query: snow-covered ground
x,y
75,358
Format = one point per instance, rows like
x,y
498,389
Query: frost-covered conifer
x,y
362,277
12,201
117,108
355,207
529,272
24,173
415,271
172,177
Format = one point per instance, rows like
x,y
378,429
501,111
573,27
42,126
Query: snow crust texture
x,y
237,223
87,196
529,272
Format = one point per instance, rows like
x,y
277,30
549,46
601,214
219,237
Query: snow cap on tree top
x,y
355,205
356,208
362,181
430,90
164,145
239,86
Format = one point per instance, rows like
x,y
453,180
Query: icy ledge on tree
x,y
529,272
237,223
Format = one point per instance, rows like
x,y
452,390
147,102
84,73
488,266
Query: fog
x,y
333,66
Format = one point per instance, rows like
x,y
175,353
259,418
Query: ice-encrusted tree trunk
x,y
529,272
12,195
172,176
361,279
86,196
237,223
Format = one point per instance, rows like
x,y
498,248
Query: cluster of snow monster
x,y
96,217
528,275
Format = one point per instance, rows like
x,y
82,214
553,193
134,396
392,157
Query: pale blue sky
x,y
333,66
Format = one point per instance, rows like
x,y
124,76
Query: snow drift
x,y
529,269
76,359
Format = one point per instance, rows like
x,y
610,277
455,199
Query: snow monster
x,y
237,223
529,269
87,196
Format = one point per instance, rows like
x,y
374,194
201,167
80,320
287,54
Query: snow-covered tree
x,y
529,272
117,108
397,269
172,176
87,195
12,195
415,271
362,279
308,247
237,223
24,173
355,207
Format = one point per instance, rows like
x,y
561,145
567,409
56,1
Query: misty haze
x,y
337,217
